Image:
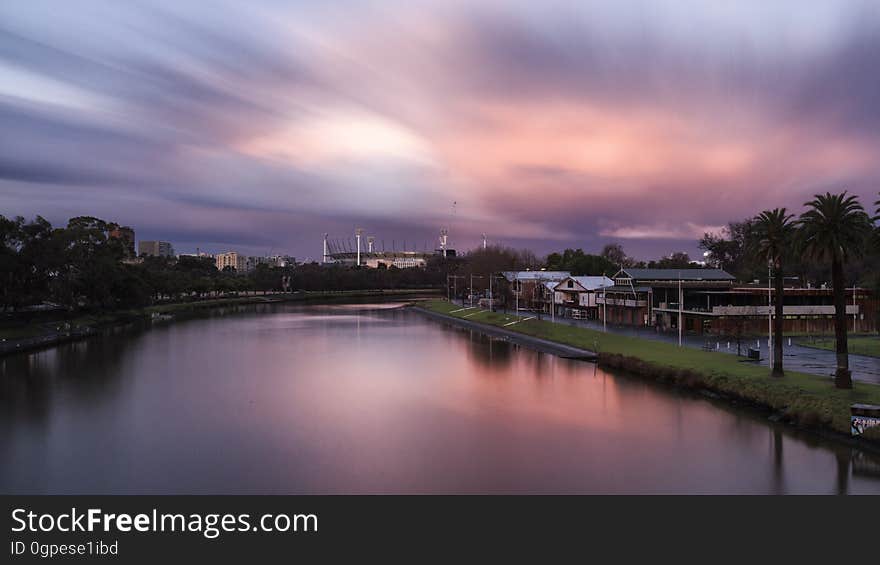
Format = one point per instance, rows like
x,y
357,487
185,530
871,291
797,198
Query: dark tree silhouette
x,y
835,228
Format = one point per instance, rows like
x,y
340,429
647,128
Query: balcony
x,y
809,310
627,302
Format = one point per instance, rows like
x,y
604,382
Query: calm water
x,y
370,398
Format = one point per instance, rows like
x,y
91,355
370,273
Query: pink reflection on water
x,y
362,399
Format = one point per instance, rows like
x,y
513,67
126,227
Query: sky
x,y
259,126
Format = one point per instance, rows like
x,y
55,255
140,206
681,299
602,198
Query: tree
x,y
677,260
774,231
579,263
493,259
614,253
728,250
835,228
877,219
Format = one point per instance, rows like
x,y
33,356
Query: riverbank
x,y
50,331
806,400
543,345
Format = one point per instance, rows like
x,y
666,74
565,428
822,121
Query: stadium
x,y
358,254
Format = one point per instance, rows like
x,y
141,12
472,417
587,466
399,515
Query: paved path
x,y
797,358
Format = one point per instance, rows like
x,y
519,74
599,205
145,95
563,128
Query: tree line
x,y
82,267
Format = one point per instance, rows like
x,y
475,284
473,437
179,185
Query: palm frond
x,y
834,226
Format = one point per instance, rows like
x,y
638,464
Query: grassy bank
x,y
859,345
808,400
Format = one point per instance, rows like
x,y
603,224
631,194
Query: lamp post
x,y
491,293
455,285
680,308
770,309
604,310
855,315
517,285
472,286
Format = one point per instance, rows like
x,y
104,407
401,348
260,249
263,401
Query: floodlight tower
x,y
370,240
484,242
358,233
444,235
326,250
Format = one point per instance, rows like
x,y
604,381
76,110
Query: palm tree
x,y
877,219
775,233
877,211
834,228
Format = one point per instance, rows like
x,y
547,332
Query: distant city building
x,y
231,259
272,261
126,235
156,249
282,261
200,255
377,259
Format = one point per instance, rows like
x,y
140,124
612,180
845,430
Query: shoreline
x,y
794,400
542,345
92,324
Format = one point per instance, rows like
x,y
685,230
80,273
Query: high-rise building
x,y
156,248
126,235
231,259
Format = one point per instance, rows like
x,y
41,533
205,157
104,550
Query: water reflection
x,y
343,398
490,351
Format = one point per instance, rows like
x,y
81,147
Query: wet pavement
x,y
797,357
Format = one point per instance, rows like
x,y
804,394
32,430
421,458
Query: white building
x,y
575,297
231,259
530,288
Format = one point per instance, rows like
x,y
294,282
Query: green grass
x,y
858,345
808,399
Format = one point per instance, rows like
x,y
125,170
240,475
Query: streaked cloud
x,y
663,231
552,124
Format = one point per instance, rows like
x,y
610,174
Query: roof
x,y
627,289
677,274
589,282
536,275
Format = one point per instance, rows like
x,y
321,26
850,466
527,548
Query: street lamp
x,y
454,285
472,287
491,294
770,308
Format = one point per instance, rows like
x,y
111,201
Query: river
x,y
374,398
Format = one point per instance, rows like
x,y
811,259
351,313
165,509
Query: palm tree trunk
x,y
778,282
842,377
